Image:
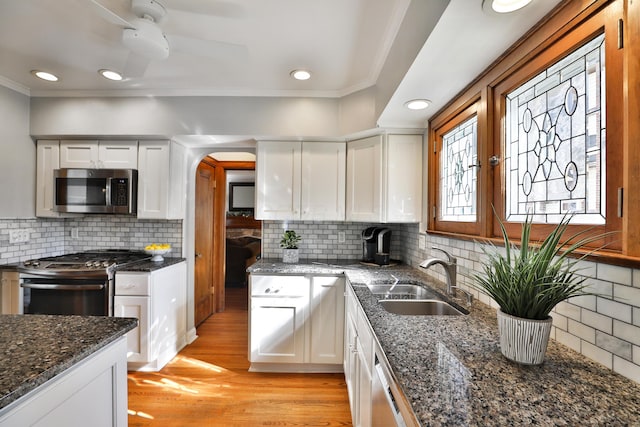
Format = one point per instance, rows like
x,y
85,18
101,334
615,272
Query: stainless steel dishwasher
x,y
384,411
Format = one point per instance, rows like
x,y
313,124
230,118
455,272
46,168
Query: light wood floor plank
x,y
208,384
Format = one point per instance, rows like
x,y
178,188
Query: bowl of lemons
x,y
157,250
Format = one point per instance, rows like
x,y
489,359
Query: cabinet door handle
x,y
198,255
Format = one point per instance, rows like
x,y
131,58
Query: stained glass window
x,y
555,141
458,179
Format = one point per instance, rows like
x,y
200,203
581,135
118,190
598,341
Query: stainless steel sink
x,y
401,290
420,307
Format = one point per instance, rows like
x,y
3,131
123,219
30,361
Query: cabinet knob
x,y
198,255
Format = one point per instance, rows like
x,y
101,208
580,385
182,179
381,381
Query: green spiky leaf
x,y
530,281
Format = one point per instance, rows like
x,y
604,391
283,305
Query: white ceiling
x,y
248,48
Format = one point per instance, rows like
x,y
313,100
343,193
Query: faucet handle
x,y
450,258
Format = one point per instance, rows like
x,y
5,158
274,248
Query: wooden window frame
x,y
436,136
566,28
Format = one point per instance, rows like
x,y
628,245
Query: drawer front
x,y
133,284
279,286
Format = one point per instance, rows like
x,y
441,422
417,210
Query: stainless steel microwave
x,y
107,191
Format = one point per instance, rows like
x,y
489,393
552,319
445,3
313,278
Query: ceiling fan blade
x,y
111,16
208,48
136,65
226,9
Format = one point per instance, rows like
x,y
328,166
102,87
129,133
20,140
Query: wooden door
x,y
204,288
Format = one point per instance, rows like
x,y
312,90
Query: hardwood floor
x,y
208,384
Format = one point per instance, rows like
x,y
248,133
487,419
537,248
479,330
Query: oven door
x,y
86,297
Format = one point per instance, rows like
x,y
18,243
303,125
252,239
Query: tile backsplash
x,y
56,236
605,328
320,240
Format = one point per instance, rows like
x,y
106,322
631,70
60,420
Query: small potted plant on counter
x,y
289,243
528,282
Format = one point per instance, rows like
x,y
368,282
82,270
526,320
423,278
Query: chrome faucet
x,y
450,267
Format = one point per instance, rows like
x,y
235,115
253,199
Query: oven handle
x,y
63,287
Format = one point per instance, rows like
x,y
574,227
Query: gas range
x,y
92,263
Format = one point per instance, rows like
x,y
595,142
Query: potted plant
x,y
289,242
528,282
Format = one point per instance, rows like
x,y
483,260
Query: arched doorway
x,y
211,207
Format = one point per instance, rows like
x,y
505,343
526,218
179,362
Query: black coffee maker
x,y
376,240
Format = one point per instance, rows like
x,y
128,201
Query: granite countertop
x,y
452,373
148,265
35,348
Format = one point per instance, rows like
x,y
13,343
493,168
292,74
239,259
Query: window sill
x,y
601,256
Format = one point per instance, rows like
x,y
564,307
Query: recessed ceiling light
x,y
506,6
45,76
300,74
111,75
417,104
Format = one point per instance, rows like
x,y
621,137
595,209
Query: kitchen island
x,y
451,371
63,370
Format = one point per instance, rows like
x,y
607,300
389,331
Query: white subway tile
x,y
636,355
560,321
597,321
584,301
636,316
614,345
596,353
636,277
600,287
568,339
626,332
614,273
626,368
614,309
568,310
627,295
586,268
583,331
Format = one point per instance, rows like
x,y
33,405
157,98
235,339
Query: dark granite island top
x,y
148,266
36,348
452,373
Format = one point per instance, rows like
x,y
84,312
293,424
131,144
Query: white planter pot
x,y
523,340
290,255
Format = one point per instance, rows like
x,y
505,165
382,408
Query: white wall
x,y
171,116
17,157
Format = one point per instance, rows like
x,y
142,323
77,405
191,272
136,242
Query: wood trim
x,y
219,237
631,126
602,21
623,109
471,109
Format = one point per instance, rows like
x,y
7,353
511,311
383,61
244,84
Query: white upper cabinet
x,y
384,179
47,160
402,191
364,179
99,154
278,180
323,181
300,180
161,180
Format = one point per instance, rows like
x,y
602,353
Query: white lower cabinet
x,y
296,323
92,392
158,300
327,320
358,361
